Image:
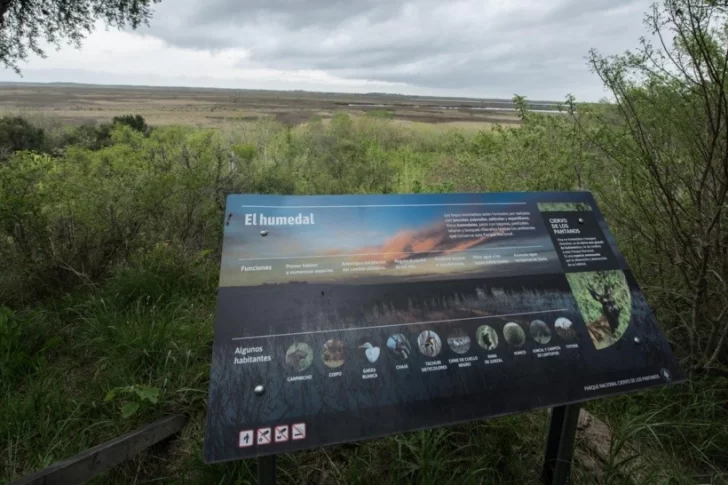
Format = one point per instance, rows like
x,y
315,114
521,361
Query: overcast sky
x,y
481,48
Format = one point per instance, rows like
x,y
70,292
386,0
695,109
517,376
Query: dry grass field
x,y
204,107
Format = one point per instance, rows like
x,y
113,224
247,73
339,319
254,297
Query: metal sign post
x,y
267,470
560,444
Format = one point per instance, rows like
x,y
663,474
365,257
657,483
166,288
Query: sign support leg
x,y
267,470
560,444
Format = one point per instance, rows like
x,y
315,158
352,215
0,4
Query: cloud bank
x,y
483,48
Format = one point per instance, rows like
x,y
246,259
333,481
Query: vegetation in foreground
x,y
109,251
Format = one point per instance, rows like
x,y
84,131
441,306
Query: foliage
x,y
17,134
134,397
657,422
135,122
20,348
667,180
245,151
381,113
24,24
86,136
564,206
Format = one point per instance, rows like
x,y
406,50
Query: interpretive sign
x,y
341,318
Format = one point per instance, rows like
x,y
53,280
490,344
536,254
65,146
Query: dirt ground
x,y
81,104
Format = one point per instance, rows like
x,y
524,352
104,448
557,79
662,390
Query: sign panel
x,y
341,318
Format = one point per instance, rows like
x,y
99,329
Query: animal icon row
x,y
334,353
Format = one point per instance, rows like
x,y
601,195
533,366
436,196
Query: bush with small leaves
x,y
18,134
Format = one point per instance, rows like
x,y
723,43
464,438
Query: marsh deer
x,y
610,309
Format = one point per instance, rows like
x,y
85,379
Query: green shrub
x,y
114,191
135,122
245,151
381,114
87,136
17,134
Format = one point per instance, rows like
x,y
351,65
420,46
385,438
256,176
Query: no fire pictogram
x,y
263,436
281,433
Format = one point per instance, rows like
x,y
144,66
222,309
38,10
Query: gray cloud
x,y
485,47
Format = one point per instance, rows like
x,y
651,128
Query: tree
x,y
25,23
17,134
668,144
136,123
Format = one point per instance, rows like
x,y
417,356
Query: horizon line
x,y
369,93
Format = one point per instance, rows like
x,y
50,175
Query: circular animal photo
x,y
369,352
459,341
514,334
399,347
565,329
429,343
299,356
487,337
333,355
540,332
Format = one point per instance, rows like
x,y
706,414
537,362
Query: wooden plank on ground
x,y
94,461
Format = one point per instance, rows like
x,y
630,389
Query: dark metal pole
x,y
267,470
560,444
